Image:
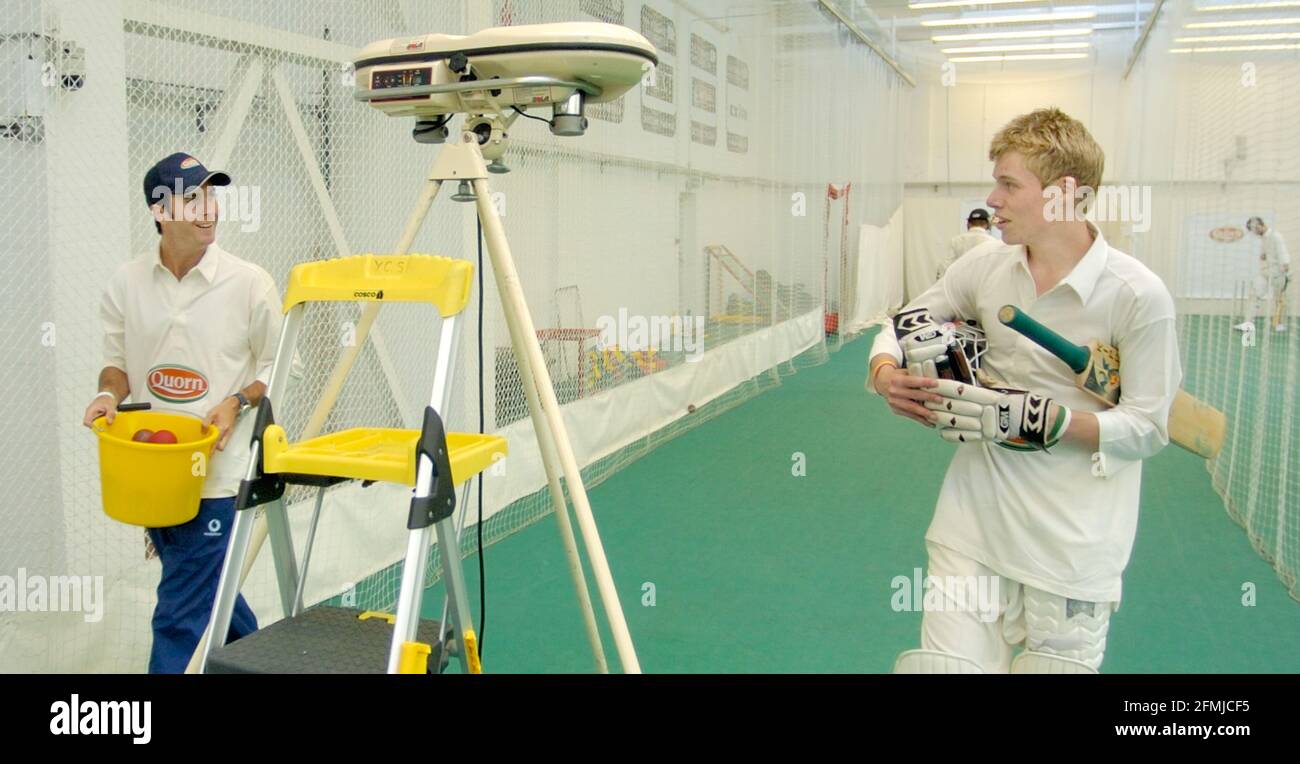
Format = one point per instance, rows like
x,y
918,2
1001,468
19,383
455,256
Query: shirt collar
x,y
207,267
1083,279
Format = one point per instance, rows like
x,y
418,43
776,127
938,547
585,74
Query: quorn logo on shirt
x,y
177,384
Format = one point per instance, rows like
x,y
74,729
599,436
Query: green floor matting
x,y
755,570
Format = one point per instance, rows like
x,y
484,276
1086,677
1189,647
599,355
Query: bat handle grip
x,y
1075,356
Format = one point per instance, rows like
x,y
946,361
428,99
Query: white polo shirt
x,y
1045,519
186,345
965,242
1273,249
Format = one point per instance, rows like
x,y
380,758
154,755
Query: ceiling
x,y
1120,17
1102,34
996,33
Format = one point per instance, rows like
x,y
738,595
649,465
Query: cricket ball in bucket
x,y
152,466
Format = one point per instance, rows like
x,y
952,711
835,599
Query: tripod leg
x,y
516,310
546,444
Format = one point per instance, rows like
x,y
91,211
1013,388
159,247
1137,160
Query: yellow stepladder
x,y
433,461
492,77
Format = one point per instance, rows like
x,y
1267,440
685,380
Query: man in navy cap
x,y
977,233
190,328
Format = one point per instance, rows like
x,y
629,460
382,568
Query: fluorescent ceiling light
x,y
1027,57
1019,34
1030,46
1234,48
1251,6
1241,37
1025,18
1241,23
925,6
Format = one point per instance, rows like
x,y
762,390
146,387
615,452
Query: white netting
x,y
1214,136
1196,143
733,144
30,459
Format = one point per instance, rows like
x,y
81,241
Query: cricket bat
x,y
1193,424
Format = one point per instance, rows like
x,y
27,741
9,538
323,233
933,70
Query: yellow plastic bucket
x,y
153,484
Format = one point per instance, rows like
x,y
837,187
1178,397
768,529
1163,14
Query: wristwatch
x,y
243,401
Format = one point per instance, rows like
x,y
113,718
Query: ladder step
x,y
323,640
375,453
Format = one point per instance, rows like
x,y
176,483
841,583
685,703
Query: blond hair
x,y
1054,144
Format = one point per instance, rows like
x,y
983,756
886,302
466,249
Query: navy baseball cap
x,y
178,172
979,213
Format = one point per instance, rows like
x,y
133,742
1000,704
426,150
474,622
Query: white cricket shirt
x,y
965,242
186,345
1045,519
1273,248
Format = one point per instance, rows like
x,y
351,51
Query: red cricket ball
x,y
163,436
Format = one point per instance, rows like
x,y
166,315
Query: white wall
x,y
1173,127
953,125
